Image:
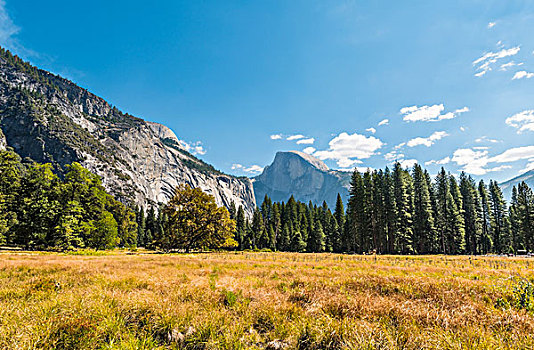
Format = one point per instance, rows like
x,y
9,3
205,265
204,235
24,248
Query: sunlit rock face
x,y
303,176
49,119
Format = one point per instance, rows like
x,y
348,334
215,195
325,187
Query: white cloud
x,y
371,130
486,62
429,113
462,128
443,161
345,147
528,167
308,150
408,163
476,161
251,169
308,141
193,147
427,141
393,155
514,154
400,145
8,29
383,122
473,162
523,121
491,24
505,66
254,169
295,137
276,137
8,34
522,74
485,139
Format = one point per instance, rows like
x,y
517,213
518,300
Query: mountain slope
x,y
50,119
527,177
303,176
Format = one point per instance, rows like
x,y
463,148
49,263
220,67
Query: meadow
x,y
264,301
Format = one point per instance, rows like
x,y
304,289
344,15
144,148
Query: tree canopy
x,y
192,220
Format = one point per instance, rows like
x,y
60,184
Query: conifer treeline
x,y
398,212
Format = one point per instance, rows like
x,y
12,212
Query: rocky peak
x,y
301,175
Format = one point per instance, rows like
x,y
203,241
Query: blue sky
x,y
240,80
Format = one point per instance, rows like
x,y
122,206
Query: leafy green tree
x,y
38,206
10,174
104,233
195,222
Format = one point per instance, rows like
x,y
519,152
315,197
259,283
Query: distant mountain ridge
x,y
527,177
303,176
51,120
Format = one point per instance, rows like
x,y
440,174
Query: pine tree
x,y
449,222
473,228
284,243
514,222
232,210
317,238
353,240
501,237
240,231
150,227
486,216
424,229
141,227
403,188
390,212
260,237
339,215
525,215
297,243
458,234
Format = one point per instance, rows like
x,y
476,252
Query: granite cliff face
x,y
303,176
51,120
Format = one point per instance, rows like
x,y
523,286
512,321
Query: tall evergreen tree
x,y
473,227
501,237
339,215
403,190
423,214
486,216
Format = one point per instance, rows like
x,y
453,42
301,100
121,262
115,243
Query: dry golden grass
x,y
264,300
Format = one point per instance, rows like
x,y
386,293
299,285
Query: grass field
x,y
265,300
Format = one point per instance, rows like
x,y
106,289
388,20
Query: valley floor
x,y
265,300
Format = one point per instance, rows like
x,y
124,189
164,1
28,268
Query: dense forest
x,y
389,212
398,212
40,210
